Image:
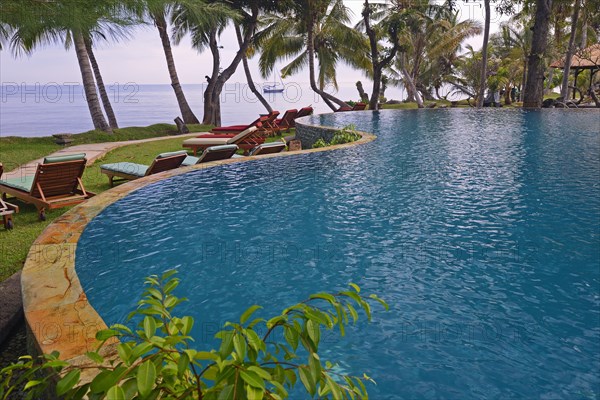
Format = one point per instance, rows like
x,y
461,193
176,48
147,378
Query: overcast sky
x,y
141,59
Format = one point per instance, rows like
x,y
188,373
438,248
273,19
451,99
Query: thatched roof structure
x,y
588,58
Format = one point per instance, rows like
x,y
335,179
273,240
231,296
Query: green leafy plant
x,y
347,134
320,143
155,361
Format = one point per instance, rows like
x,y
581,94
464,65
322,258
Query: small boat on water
x,y
273,88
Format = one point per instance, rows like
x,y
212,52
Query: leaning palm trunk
x,y
185,109
564,91
484,58
249,79
89,85
534,85
327,98
409,83
112,119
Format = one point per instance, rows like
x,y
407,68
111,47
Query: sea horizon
x,y
38,110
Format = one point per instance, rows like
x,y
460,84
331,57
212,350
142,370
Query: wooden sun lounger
x,y
213,153
268,148
130,171
247,140
269,124
305,111
287,121
7,209
56,184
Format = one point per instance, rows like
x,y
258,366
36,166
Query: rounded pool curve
x,y
480,229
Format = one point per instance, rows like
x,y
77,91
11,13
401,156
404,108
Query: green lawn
x,y
14,244
15,151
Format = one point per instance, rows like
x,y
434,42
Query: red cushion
x,y
230,128
216,135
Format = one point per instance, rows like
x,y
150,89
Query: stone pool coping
x,y
58,314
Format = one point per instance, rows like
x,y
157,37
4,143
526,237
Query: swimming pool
x,y
480,229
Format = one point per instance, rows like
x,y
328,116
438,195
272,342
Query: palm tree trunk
x,y
523,81
186,112
409,83
534,85
584,28
377,68
327,98
507,100
210,109
548,88
564,91
112,119
249,79
89,85
484,55
212,106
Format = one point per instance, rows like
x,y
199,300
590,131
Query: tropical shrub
x,y
156,361
345,135
320,143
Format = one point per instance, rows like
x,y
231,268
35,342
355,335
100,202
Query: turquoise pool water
x,y
480,228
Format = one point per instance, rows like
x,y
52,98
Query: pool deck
x,y
56,308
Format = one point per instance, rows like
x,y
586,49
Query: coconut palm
x,y
512,44
533,91
431,40
251,50
313,29
159,11
206,30
116,33
381,24
70,24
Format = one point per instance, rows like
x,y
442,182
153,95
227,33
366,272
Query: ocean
x,y
43,110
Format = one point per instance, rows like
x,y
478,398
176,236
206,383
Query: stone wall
x,y
309,134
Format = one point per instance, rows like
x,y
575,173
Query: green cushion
x,y
266,146
171,154
223,147
126,168
190,160
70,157
23,183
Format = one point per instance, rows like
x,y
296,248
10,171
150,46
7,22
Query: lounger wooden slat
x,y
7,209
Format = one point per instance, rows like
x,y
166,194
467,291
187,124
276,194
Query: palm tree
x,y
70,23
380,26
431,40
313,29
159,11
116,32
205,30
484,52
564,91
514,43
251,85
534,84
